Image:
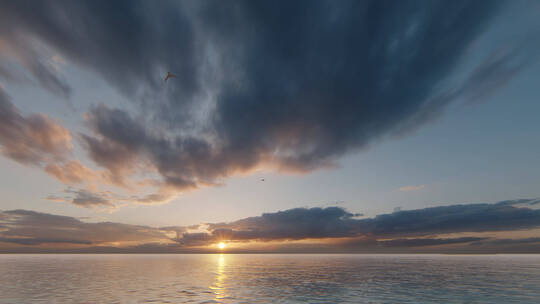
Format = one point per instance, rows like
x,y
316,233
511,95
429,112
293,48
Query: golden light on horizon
x,y
222,245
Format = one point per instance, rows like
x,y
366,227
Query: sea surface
x,y
269,278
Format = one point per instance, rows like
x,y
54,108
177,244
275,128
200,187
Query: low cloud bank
x,y
300,229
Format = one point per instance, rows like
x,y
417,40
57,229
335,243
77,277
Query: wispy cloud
x,y
411,188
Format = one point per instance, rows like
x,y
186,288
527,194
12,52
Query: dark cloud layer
x,y
334,222
332,229
39,241
119,39
505,215
299,223
429,242
289,85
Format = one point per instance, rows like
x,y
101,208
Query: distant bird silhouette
x,y
262,179
169,75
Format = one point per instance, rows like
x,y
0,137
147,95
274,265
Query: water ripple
x,y
269,279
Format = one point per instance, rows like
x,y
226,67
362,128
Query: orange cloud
x,y
33,139
72,172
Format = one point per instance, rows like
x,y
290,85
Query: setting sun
x,y
222,245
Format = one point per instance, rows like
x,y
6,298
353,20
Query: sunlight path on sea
x,y
269,278
219,287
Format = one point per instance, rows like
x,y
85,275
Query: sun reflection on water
x,y
219,284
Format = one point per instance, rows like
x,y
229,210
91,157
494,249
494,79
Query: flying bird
x,y
262,179
169,75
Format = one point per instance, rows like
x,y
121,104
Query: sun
x,y
222,245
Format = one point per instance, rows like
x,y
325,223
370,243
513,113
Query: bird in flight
x,y
262,179
169,75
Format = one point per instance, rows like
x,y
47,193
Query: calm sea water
x,y
269,278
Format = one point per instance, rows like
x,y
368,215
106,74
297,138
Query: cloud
x,y
331,229
34,241
149,37
526,203
16,47
40,141
107,200
33,139
411,188
429,241
456,218
509,241
87,199
35,228
162,196
72,172
496,71
293,224
335,222
250,91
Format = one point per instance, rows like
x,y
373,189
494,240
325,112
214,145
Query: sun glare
x,y
222,245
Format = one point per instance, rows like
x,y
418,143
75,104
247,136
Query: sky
x,y
311,126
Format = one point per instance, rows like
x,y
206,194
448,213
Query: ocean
x,y
268,278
